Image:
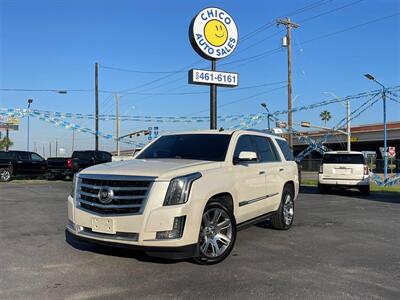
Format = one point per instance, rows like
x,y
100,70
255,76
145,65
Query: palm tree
x,y
325,116
5,143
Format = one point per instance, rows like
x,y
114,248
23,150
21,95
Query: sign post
x,y
213,35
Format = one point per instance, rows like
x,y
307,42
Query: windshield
x,y
211,147
343,159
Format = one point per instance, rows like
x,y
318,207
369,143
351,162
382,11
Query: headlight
x,y
74,181
179,189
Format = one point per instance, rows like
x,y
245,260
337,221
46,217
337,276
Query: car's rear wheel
x,y
365,190
5,175
283,218
217,233
323,189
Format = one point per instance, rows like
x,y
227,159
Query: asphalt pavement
x,y
341,246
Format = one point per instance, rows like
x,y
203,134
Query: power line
x,y
245,37
239,100
205,92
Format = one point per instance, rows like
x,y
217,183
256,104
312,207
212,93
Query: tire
x,y
217,234
283,218
5,174
365,190
322,189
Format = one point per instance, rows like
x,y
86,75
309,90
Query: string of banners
x,y
186,119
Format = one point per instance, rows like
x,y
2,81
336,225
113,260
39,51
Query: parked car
x,y
21,163
343,169
186,195
62,167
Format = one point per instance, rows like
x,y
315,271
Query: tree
x,y
325,116
5,142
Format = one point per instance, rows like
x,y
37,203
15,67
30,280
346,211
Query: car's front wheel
x,y
5,174
217,233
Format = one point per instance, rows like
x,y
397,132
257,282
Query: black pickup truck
x,y
63,167
21,163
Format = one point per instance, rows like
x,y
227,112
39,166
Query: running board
x,y
253,221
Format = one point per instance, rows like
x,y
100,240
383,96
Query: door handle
x,y
261,173
281,169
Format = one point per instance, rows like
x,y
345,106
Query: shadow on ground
x,y
387,197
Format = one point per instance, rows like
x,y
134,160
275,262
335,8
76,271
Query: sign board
x,y
353,139
153,133
281,124
213,77
13,121
213,33
3,126
392,151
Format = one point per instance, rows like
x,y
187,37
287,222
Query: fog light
x,y
175,233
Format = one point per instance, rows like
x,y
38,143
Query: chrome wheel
x,y
215,232
5,175
288,210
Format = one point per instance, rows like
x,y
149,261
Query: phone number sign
x,y
213,77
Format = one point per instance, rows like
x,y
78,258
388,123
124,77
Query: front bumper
x,y
343,182
182,252
139,231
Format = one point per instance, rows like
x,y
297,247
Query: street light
x,y
385,162
29,105
307,124
268,114
347,119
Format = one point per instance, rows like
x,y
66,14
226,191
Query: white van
x,y
343,169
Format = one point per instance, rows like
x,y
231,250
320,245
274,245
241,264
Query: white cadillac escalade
x,y
185,195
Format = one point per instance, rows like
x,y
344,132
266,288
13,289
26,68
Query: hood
x,y
163,169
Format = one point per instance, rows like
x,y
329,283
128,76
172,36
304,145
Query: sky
x,y
55,44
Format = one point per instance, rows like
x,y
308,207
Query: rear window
x,y
6,155
343,159
83,154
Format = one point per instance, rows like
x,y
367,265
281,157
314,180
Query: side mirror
x,y
246,156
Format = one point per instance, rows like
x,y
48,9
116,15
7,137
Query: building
x,y
368,137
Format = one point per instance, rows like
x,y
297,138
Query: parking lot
x,y
341,246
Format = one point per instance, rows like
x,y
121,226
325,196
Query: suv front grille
x,y
126,195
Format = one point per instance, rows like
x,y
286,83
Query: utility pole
x,y
28,133
117,122
7,137
49,149
289,24
56,147
385,153
96,95
44,155
213,99
73,141
348,126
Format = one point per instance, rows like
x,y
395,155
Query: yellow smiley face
x,y
216,33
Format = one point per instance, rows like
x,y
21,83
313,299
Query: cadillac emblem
x,y
105,195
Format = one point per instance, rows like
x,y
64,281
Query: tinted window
x,y
83,154
266,152
287,152
244,144
211,147
24,156
343,159
36,157
6,155
106,156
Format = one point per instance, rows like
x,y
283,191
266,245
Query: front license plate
x,y
103,225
